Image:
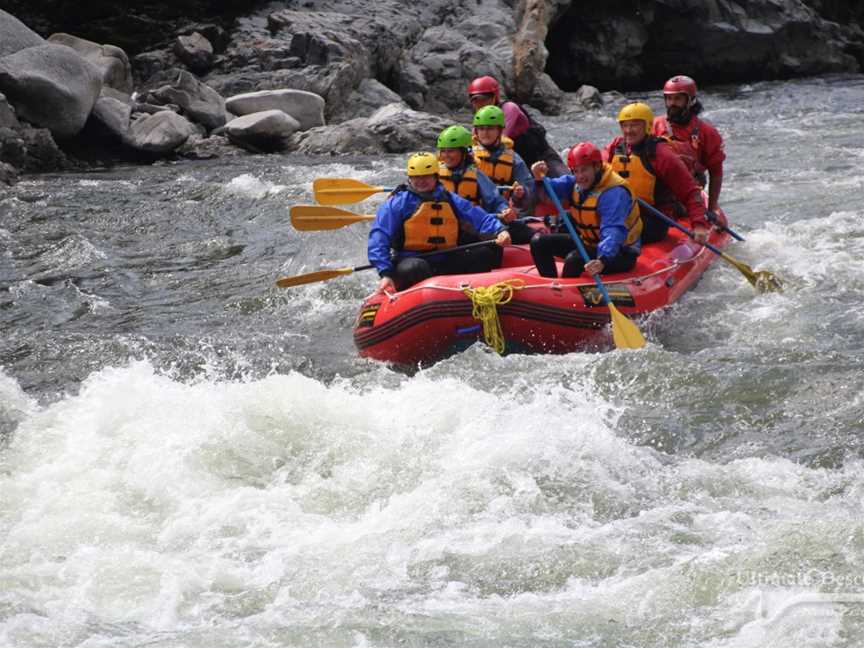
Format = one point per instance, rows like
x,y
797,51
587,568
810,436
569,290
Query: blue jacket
x,y
392,214
522,175
490,198
612,208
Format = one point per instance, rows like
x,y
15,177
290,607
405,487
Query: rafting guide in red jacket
x,y
697,142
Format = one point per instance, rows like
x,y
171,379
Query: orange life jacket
x,y
498,169
584,212
464,185
433,226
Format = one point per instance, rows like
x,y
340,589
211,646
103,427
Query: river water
x,y
191,457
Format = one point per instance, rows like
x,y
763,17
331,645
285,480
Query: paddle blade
x,y
312,277
625,333
342,191
315,218
768,282
762,281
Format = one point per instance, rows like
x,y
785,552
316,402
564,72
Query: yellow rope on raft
x,y
485,300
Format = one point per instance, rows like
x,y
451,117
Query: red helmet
x,y
583,153
680,84
484,85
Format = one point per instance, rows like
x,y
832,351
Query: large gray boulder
x,y
395,128
51,86
195,51
324,46
15,35
112,115
267,130
306,107
351,136
589,97
369,96
401,129
546,95
436,70
159,133
320,53
198,101
331,46
111,61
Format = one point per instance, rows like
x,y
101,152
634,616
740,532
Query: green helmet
x,y
489,116
454,137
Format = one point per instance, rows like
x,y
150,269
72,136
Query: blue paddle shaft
x,y
688,232
550,191
713,218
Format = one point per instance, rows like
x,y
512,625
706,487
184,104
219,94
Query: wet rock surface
x,y
372,76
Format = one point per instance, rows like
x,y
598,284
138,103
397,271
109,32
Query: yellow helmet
x,y
421,164
637,111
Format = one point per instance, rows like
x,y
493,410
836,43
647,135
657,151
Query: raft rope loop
x,y
485,300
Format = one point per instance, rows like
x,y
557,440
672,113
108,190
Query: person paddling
x,y
528,136
603,211
504,166
697,141
459,175
423,216
656,174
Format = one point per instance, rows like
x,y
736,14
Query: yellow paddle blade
x,y
342,191
768,282
762,280
312,277
314,218
625,333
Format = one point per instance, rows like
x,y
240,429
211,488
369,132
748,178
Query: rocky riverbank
x,y
201,79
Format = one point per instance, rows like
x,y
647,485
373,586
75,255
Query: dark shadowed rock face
x,y
840,11
611,45
133,26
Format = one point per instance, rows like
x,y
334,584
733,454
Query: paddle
x,y
342,191
763,281
625,333
716,221
313,218
325,275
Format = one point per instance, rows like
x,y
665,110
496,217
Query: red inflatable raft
x,y
434,319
